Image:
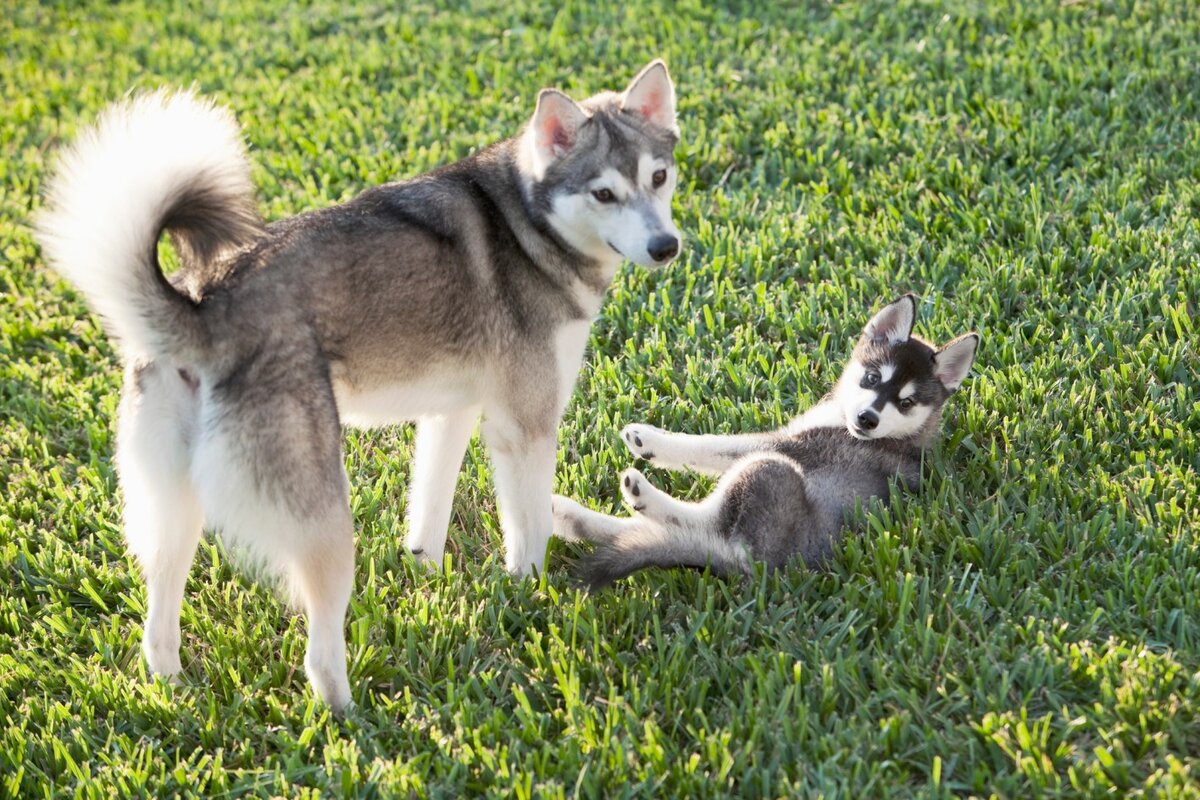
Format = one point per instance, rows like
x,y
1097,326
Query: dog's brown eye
x,y
907,403
871,378
659,177
604,195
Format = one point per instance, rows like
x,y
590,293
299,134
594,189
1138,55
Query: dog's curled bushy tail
x,y
158,162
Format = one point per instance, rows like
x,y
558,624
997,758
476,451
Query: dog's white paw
x,y
427,557
174,679
645,498
327,674
635,489
644,441
162,657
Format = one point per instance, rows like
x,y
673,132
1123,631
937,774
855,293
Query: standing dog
x,y
468,291
785,494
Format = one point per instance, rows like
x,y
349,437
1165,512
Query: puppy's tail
x,y
159,162
650,544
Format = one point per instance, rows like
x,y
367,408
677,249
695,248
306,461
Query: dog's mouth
x,y
857,431
650,264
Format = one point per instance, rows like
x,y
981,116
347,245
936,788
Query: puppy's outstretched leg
x,y
653,503
707,453
644,542
575,523
664,532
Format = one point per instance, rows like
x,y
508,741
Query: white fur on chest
x,y
587,299
570,342
823,415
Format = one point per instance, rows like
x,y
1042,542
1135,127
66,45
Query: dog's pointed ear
x,y
893,323
652,96
952,363
554,128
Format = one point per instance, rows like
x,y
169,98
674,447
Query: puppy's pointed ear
x,y
553,129
893,323
952,363
652,96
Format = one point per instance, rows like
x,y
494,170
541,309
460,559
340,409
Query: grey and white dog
x,y
462,293
782,495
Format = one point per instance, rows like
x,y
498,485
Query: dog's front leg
x,y
523,465
437,458
708,454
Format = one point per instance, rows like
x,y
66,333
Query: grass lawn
x,y
1028,626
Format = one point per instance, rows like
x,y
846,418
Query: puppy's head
x,y
895,382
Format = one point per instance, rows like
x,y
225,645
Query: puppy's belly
x,y
390,404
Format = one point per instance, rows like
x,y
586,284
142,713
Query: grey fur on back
x,y
456,264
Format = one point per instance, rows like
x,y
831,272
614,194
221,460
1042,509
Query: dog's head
x,y
895,382
603,171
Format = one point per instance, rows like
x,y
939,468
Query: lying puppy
x,y
785,494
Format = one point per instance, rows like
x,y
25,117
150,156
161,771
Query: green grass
x,y
1029,625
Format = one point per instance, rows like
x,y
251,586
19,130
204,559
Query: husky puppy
x,y
782,495
468,291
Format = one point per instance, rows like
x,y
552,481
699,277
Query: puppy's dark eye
x,y
870,379
604,195
659,178
907,403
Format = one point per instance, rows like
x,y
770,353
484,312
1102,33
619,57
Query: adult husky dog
x,y
468,291
783,495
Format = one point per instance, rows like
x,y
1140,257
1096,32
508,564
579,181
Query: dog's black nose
x,y
868,419
663,247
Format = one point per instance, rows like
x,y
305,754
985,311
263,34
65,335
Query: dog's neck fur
x,y
501,175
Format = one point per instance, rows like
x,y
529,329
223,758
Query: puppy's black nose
x,y
663,246
868,419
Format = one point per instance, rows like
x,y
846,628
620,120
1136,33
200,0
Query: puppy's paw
x,y
642,440
633,489
566,518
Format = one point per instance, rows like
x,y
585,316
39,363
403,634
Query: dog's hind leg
x,y
653,503
156,429
322,579
646,542
768,509
574,523
437,459
270,476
